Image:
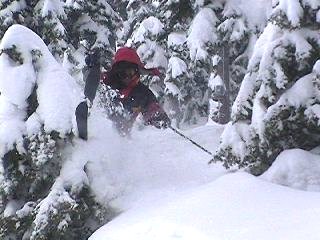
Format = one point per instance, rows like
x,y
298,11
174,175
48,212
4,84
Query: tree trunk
x,y
223,70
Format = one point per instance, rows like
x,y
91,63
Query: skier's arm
x,y
154,114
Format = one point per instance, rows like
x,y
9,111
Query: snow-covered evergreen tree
x,y
92,25
186,90
11,12
48,17
230,37
177,17
238,30
202,49
276,106
43,194
135,12
69,28
43,16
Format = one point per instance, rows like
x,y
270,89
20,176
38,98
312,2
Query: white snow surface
x,y
296,168
164,189
121,170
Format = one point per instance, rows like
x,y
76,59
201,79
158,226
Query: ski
x,y
82,120
92,78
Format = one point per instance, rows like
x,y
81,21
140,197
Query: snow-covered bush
x,y
276,107
37,105
295,168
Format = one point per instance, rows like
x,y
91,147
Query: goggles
x,y
121,74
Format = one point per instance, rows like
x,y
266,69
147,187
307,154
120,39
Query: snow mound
x,y
235,206
295,168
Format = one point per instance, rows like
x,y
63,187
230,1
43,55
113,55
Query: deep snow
x,y
235,206
163,188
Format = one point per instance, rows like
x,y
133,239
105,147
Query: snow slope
x,y
165,190
236,206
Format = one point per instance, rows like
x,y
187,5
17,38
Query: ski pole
x,y
193,142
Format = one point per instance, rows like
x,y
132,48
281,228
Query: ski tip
x,y
82,120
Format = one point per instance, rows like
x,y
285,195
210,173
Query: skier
x,y
136,98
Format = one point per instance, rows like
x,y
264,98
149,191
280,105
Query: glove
x,y
92,59
161,121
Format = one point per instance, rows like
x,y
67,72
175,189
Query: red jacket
x,y
137,98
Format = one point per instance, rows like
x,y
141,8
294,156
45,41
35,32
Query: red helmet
x,y
126,54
